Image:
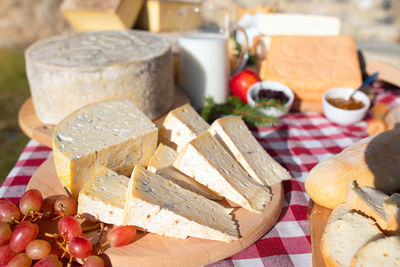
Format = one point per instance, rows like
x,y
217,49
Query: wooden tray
x,y
153,250
317,218
41,132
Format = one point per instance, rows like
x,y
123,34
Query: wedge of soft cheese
x,y
113,134
182,125
234,135
103,197
162,207
161,163
207,161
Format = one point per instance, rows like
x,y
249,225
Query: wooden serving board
x,y
154,250
317,218
41,132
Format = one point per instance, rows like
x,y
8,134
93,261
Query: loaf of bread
x,y
382,252
375,204
345,233
373,162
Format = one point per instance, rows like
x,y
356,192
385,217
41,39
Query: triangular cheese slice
x,y
207,161
162,207
103,197
182,125
234,135
161,163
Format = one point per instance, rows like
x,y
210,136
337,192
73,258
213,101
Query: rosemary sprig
x,y
235,106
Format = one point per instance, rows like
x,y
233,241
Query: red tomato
x,y
241,82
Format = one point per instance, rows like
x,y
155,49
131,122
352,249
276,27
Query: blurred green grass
x,y
14,91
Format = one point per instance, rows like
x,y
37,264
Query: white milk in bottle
x,y
204,67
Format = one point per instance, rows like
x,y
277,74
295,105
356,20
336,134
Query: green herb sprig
x,y
235,106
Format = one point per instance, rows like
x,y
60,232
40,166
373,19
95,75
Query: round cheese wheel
x,y
68,72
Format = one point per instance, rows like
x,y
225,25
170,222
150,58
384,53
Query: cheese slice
x,y
162,207
234,135
206,160
182,125
161,164
103,197
113,134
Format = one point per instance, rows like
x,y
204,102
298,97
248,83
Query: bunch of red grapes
x,y
19,231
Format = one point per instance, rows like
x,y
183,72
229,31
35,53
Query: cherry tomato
x,y
240,83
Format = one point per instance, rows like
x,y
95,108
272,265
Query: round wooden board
x,y
41,132
154,250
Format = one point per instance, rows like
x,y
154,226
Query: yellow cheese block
x,y
114,134
92,15
311,65
159,16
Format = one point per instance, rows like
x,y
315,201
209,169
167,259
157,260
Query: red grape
x,y
5,233
93,261
20,260
69,227
24,233
38,249
80,247
56,251
6,254
66,205
121,235
48,206
49,261
31,201
8,211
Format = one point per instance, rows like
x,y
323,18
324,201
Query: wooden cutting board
x,y
41,132
154,250
317,218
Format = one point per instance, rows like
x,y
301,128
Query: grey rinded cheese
x,y
207,161
161,163
162,207
103,197
68,72
181,126
114,134
234,135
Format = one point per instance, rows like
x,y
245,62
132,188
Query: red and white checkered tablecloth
x,y
298,143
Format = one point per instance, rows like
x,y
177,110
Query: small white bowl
x,y
274,86
343,116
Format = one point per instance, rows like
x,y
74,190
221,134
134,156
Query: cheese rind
x,y
164,208
234,135
68,72
161,164
103,197
114,134
182,125
206,160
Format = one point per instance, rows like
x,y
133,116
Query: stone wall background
x,y
22,22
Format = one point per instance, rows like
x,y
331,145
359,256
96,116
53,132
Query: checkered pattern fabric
x,y
298,143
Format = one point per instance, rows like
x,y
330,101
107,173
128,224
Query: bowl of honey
x,y
341,109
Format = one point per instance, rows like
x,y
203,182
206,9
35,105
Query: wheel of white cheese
x,y
68,72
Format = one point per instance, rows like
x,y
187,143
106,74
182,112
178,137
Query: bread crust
x,y
373,161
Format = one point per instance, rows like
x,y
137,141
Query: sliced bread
x,y
382,252
373,203
345,233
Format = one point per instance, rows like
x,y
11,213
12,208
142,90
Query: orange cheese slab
x,y
311,65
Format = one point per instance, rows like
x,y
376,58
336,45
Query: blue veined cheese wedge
x,y
181,126
162,207
114,134
234,135
161,164
207,161
103,197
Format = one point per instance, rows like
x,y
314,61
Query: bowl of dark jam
x,y
275,97
341,109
